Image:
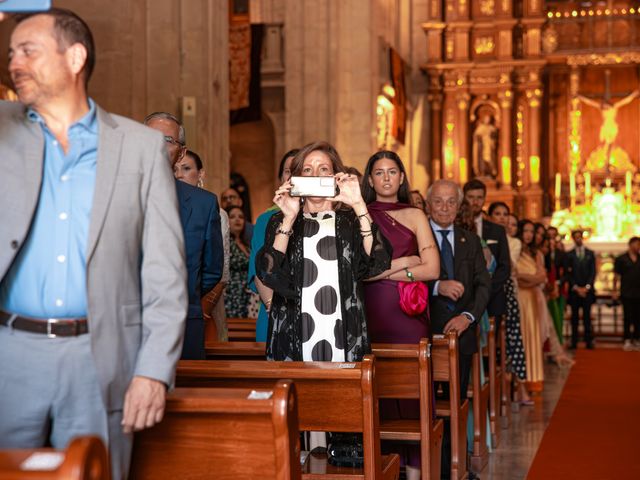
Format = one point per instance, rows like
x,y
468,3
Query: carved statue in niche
x,y
485,144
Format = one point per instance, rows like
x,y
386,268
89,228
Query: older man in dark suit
x,y
200,218
581,275
459,297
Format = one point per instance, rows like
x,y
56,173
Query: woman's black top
x,y
283,273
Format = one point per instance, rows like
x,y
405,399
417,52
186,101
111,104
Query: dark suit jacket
x,y
581,272
200,217
496,239
470,270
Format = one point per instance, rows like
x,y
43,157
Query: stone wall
x,y
151,54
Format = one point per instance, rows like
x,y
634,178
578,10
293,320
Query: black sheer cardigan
x,y
283,274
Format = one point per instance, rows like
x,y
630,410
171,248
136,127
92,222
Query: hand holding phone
x,y
313,187
24,6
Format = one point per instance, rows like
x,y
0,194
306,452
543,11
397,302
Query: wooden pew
x,y
221,433
446,369
505,378
208,303
480,454
242,329
404,372
494,374
236,350
332,397
84,459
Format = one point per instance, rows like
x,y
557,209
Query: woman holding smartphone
x,y
317,252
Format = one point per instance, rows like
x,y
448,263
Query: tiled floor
x,y
519,443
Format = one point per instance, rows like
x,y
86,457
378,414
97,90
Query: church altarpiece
x,y
540,100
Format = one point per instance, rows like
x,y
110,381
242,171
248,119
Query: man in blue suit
x,y
200,217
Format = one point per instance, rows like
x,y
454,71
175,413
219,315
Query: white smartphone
x,y
313,187
16,6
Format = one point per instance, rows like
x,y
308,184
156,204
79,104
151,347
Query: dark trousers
x,y
465,370
578,303
193,346
631,307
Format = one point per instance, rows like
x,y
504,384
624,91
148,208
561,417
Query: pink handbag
x,y
414,297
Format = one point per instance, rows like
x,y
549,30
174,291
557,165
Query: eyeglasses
x,y
173,141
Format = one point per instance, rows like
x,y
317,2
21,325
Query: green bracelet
x,y
408,273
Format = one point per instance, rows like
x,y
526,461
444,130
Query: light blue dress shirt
x,y
48,277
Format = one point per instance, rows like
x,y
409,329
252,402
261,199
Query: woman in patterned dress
x,y
316,254
500,214
238,298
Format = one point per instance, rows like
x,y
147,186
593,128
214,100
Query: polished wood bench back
x,y
404,372
222,433
236,350
332,396
446,369
84,459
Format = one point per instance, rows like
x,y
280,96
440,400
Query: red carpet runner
x,y
594,432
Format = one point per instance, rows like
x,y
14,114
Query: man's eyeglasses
x,y
173,141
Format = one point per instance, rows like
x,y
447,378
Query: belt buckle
x,y
51,321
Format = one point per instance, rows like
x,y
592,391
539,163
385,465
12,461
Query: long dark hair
x,y
368,193
537,226
530,247
240,236
465,218
495,205
291,153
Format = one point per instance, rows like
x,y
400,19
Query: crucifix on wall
x,y
609,110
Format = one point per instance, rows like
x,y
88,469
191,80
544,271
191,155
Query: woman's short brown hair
x,y
318,146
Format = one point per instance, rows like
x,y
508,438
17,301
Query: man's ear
x,y
76,56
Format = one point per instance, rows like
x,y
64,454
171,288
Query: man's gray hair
x,y
182,138
447,183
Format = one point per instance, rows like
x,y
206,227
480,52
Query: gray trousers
x,y
49,394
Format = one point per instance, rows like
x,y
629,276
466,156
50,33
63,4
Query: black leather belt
x,y
51,327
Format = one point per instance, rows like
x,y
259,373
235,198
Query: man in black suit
x,y
475,192
581,274
459,297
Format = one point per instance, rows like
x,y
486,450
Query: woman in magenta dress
x,y
385,189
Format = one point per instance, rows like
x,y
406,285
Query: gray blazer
x,y
137,303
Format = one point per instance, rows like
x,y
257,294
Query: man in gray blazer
x,y
93,291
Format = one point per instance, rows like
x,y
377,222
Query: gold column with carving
x,y
533,193
505,98
461,167
435,100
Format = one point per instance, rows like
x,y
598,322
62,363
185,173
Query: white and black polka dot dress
x,y
322,329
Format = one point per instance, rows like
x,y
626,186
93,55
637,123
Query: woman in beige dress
x,y
531,275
